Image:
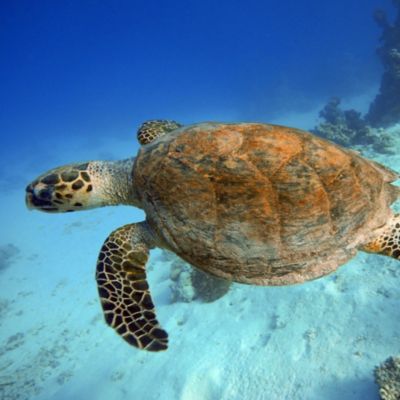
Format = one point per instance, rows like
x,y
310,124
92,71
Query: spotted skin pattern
x,y
388,240
151,130
62,190
124,291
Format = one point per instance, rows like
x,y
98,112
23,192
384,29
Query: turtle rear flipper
x,y
123,288
151,130
387,241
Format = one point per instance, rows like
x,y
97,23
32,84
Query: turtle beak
x,y
39,198
29,197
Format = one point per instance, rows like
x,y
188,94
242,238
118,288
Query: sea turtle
x,y
252,203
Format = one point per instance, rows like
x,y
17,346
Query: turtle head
x,y
82,186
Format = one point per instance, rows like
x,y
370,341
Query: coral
x,y
192,284
8,252
348,128
385,144
343,127
332,113
336,133
387,376
181,288
355,122
385,109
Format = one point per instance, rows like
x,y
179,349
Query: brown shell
x,y
258,203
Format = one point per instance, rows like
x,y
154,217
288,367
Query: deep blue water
x,y
99,68
75,76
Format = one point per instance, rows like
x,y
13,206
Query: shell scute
x,y
260,203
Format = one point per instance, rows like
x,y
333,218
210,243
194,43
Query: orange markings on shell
x,y
259,203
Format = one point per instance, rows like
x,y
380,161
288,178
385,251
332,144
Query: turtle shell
x,y
260,204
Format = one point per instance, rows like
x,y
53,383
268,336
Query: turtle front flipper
x,y
123,288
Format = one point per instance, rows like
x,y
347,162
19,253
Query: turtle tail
x,y
387,241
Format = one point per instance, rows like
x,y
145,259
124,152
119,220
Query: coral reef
x,y
387,376
192,284
348,128
385,109
8,252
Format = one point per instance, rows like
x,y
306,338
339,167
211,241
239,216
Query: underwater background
x,y
77,80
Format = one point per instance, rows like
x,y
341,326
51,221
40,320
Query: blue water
x,y
77,78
